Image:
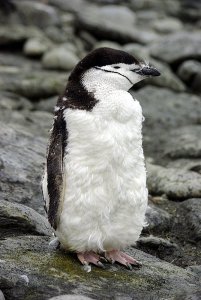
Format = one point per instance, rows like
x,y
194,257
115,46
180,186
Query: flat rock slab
x,y
118,25
16,217
177,47
191,211
175,183
22,158
184,142
28,266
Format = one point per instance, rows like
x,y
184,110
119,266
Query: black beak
x,y
148,71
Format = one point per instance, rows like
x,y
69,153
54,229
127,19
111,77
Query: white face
x,y
116,77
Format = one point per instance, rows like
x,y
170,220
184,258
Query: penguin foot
x,y
122,258
89,257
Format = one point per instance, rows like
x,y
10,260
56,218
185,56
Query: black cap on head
x,y
102,57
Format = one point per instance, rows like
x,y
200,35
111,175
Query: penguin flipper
x,y
54,168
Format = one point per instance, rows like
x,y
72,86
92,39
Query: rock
x,y
37,13
18,218
108,44
195,269
15,35
35,85
118,24
168,25
159,247
190,10
190,72
158,220
186,164
12,101
173,109
138,51
170,7
167,79
163,110
176,184
61,35
177,47
184,142
74,6
71,297
15,64
60,58
1,296
191,211
52,273
47,104
22,159
36,46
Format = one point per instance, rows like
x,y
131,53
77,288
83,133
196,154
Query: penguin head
x,y
111,67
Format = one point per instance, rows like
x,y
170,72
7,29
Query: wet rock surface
x,y
52,266
40,42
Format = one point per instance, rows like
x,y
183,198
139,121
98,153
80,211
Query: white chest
x,y
105,175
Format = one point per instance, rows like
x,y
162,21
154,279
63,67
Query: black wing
x,y
55,184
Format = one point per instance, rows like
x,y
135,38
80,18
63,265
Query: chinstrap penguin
x,y
94,183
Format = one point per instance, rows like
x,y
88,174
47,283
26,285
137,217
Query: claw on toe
x,y
89,257
122,258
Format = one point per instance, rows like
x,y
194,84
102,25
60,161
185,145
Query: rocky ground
x,y
40,42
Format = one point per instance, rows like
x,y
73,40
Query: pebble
x,y
36,46
190,72
60,58
175,183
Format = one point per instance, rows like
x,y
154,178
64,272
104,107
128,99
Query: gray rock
x,y
35,85
160,247
59,35
71,297
60,58
196,269
37,13
167,25
47,104
190,11
74,6
190,72
118,24
18,218
186,164
52,273
22,158
176,184
191,210
15,34
109,44
15,64
36,46
171,7
167,79
173,109
158,220
164,110
12,101
138,51
184,142
177,47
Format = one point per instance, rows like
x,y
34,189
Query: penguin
x,y
94,183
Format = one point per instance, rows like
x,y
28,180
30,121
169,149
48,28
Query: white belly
x,y
105,195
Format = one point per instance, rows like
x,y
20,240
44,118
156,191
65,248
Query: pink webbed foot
x,y
90,257
122,258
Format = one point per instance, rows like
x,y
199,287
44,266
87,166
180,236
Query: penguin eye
x,y
116,67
